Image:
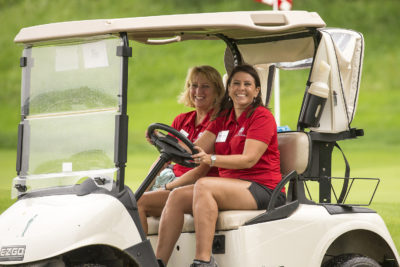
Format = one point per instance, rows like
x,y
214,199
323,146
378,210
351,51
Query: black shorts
x,y
262,195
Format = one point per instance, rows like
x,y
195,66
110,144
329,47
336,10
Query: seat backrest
x,y
295,150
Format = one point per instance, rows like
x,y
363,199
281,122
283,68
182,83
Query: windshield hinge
x,y
124,51
21,188
23,61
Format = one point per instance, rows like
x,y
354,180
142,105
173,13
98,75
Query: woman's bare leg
x,y
151,203
179,202
211,195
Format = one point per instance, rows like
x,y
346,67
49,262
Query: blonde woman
x,y
203,91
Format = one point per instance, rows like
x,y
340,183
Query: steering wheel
x,y
169,144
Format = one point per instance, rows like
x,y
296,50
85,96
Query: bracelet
x,y
165,187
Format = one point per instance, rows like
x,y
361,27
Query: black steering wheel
x,y
170,146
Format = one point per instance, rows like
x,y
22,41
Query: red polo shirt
x,y
185,123
231,136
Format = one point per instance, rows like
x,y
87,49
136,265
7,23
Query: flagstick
x,y
277,98
275,5
277,86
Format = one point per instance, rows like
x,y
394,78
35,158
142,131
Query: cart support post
x,y
322,152
121,120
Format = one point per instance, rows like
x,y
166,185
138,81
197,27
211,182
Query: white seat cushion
x,y
227,220
153,222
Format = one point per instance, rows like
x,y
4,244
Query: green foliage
x,y
87,160
67,100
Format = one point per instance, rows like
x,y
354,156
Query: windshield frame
x,y
114,171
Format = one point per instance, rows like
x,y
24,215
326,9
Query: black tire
x,y
351,260
45,263
90,265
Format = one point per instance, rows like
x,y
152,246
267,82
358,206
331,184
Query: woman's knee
x,y
142,202
178,198
203,185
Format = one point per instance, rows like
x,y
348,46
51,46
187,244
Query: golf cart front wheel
x,y
90,265
351,260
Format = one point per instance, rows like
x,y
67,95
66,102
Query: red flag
x,y
282,4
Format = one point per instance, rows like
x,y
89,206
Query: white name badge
x,y
184,132
222,135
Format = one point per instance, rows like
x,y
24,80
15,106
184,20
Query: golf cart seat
x,y
294,148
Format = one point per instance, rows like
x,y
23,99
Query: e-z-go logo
x,y
12,253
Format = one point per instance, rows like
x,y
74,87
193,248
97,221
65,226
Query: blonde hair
x,y
210,74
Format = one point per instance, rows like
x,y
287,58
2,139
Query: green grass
x,y
7,167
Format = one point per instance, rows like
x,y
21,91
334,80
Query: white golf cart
x,y
73,207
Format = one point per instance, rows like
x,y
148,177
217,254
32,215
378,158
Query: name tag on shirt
x,y
184,132
222,135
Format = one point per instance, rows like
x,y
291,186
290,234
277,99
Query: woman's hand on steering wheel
x,y
201,157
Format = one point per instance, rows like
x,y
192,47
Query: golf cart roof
x,y
236,25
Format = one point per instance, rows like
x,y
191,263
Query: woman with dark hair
x,y
242,143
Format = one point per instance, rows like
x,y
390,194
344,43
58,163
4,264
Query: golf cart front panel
x,y
50,226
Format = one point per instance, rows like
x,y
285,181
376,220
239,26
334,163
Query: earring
x,y
229,99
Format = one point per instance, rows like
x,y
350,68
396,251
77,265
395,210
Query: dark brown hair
x,y
226,103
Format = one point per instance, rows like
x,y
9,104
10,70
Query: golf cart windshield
x,y
70,99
